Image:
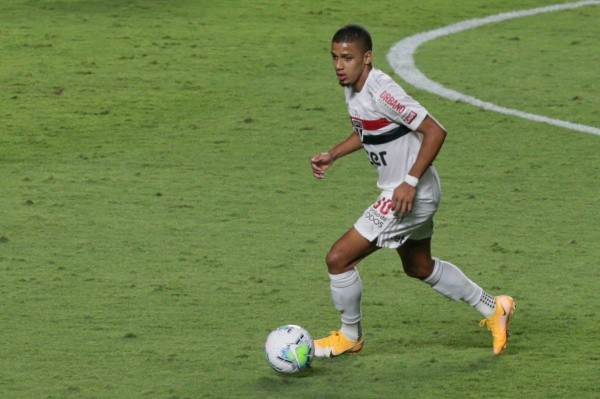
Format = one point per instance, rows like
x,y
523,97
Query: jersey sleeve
x,y
396,105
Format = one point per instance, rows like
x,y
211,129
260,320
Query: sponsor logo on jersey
x,y
392,102
410,117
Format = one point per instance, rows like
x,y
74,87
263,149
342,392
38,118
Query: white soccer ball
x,y
289,349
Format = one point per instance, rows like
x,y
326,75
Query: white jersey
x,y
385,118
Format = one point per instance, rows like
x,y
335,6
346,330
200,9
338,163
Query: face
x,y
351,65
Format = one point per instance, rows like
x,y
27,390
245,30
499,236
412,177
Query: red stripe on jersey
x,y
373,125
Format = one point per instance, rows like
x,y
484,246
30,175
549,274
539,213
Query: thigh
x,y
348,250
416,257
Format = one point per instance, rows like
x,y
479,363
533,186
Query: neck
x,y
357,87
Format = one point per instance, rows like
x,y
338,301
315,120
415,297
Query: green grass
x,y
158,217
511,63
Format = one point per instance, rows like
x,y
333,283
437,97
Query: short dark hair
x,y
353,33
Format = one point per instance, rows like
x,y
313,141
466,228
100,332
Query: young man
x,y
401,140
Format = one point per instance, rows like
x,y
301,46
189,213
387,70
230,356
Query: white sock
x,y
486,304
451,282
346,292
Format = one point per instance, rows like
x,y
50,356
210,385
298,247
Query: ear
x,y
368,57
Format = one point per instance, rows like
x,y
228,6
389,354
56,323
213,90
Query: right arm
x,y
324,160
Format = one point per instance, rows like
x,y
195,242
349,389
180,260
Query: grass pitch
x,y
158,217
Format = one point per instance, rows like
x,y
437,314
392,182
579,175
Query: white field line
x,y
401,58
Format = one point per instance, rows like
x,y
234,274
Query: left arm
x,y
433,138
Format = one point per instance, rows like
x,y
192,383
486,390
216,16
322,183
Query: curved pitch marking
x,y
401,58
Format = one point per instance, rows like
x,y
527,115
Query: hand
x,y
402,199
320,163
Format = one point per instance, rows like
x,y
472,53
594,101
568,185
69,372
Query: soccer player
x,y
401,140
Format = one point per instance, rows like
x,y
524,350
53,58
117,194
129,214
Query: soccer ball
x,y
289,349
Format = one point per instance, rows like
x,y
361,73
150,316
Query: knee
x,y
418,269
335,262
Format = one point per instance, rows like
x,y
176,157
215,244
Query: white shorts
x,y
379,224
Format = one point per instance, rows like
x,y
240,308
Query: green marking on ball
x,y
302,351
